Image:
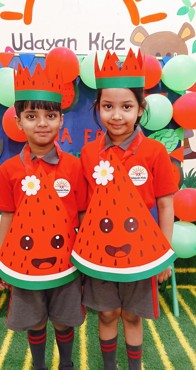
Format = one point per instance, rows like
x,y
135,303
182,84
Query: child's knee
x,y
109,316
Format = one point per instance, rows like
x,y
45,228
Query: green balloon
x,y
7,96
179,73
87,73
184,239
158,112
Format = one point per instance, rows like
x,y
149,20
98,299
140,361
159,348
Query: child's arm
x,y
165,221
5,222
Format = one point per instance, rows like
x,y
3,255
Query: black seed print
x,y
53,225
65,220
50,197
101,260
32,231
80,251
18,214
87,243
114,202
43,228
29,214
128,261
21,265
41,174
97,247
128,209
163,246
90,255
131,195
57,208
90,210
2,254
82,230
43,212
27,272
115,263
25,258
26,201
141,253
11,230
97,190
79,241
111,157
118,187
99,203
68,236
37,200
141,205
114,181
90,222
141,238
13,254
106,190
153,247
45,187
145,223
107,213
155,233
93,232
124,179
21,226
118,168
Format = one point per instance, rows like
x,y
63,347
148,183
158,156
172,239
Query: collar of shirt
x,y
125,144
50,158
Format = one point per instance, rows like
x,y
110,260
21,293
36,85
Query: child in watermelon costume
x,y
42,194
119,247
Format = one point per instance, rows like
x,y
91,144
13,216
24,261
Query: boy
x,y
42,193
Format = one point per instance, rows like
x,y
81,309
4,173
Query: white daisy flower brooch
x,y
30,185
103,173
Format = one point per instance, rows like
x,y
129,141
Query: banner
x,y
161,27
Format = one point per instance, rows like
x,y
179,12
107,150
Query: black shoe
x,y
62,367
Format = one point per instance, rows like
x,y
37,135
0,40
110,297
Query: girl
x,y
120,109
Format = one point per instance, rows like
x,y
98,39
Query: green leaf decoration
x,y
190,179
194,47
183,10
191,14
186,2
1,5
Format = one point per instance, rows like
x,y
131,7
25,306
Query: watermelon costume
x,y
36,250
119,240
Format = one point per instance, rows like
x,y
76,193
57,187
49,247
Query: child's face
x,y
40,126
119,110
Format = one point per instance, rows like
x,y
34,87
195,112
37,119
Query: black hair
x,y
21,105
137,91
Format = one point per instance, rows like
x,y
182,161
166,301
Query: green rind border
x,y
120,82
39,285
123,278
38,95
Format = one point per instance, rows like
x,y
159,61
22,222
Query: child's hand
x,y
4,285
164,275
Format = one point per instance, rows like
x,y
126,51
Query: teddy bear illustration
x,y
163,43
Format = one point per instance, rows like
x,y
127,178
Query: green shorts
x,y
29,308
139,297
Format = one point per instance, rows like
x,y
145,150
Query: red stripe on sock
x,y
135,355
65,338
37,339
108,347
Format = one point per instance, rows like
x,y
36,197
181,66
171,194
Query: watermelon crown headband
x,y
37,86
129,75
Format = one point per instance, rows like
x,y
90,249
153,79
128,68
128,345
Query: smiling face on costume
x,y
119,110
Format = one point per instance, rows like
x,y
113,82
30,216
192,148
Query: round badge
x,y
138,175
62,187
